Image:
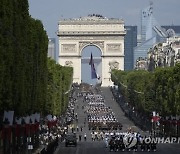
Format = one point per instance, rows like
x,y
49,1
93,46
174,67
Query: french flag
x,y
93,70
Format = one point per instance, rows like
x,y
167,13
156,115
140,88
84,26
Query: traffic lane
x,y
81,119
119,114
98,147
62,149
83,148
168,148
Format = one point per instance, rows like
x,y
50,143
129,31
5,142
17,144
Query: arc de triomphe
x,y
106,34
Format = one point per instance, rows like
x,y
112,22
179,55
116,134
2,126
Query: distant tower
x,y
146,22
151,33
52,48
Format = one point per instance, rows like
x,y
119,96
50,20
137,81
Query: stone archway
x,y
106,34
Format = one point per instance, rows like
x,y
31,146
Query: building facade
x,y
152,33
52,48
130,41
165,54
175,28
146,22
106,34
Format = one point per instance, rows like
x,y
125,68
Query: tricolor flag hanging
x,y
93,70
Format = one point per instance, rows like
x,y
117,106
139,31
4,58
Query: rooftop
x,y
91,18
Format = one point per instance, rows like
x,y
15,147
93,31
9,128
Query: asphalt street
x,y
98,147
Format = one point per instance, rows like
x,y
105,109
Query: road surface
x,y
98,147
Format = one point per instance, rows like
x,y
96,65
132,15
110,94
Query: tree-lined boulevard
x,y
30,83
89,146
40,104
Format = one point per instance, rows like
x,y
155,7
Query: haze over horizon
x,y
49,12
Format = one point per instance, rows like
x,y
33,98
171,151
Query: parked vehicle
x,y
71,139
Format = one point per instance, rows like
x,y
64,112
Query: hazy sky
x,y
50,11
166,12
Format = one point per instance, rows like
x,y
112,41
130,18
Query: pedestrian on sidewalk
x,y
79,137
84,123
76,115
72,130
93,136
84,136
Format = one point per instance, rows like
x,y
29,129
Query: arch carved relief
x,y
69,63
114,47
68,48
113,65
99,44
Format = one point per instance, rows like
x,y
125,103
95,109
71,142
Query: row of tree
x,y
26,76
59,84
151,91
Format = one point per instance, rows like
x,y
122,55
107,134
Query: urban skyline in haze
x,y
50,12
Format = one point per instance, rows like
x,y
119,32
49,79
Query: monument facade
x,y
106,34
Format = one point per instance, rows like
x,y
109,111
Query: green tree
x,y
151,91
